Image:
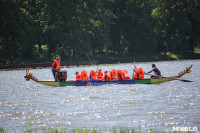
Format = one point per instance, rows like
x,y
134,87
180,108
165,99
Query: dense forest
x,y
83,30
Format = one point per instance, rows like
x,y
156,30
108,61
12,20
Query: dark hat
x,y
75,72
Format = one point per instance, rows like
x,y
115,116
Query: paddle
x,y
183,80
135,65
97,69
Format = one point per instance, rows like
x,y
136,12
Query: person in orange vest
x,y
84,75
99,75
106,76
78,77
135,74
120,75
140,73
113,74
93,76
125,72
55,68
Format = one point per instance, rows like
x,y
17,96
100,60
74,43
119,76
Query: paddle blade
x,y
184,80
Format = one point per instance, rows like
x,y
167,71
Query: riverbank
x,y
145,57
100,59
47,64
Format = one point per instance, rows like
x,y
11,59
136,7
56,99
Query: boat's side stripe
x,y
98,83
70,83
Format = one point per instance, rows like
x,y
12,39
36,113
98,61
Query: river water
x,y
160,107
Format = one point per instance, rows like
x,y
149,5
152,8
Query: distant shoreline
x,y
67,64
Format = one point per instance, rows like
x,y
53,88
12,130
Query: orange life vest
x,y
140,73
135,75
122,75
99,76
93,74
78,77
119,74
57,64
126,74
113,74
84,75
107,77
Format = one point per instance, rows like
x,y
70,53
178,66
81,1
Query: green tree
x,y
16,32
175,25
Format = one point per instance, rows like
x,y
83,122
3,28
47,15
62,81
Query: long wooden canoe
x,y
98,83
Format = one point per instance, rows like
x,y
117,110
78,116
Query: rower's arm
x,y
150,71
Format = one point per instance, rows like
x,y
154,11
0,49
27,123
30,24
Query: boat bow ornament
x,y
187,70
29,76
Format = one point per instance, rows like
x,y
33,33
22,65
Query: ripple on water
x,y
159,106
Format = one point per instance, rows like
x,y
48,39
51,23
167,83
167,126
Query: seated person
x,y
156,72
99,75
113,74
93,76
78,77
106,76
84,75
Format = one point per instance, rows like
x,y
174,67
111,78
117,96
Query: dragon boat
x,y
63,83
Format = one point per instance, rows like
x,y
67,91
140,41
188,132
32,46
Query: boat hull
x,y
92,83
99,83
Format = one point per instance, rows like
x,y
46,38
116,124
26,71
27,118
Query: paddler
x,y
135,74
140,73
120,75
125,72
99,74
78,77
93,76
113,74
156,72
84,75
106,76
56,68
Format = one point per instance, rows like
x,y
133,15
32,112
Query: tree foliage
x,y
85,29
